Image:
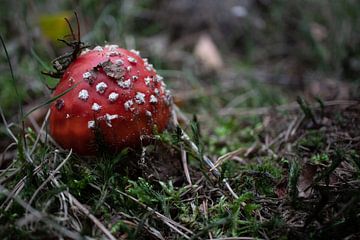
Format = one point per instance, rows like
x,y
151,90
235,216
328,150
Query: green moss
x,y
312,141
320,158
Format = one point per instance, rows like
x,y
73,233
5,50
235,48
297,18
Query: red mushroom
x,y
117,95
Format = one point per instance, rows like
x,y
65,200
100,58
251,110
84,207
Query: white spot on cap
x,y
128,68
112,47
147,80
112,54
153,99
157,92
89,77
158,78
83,95
91,124
124,84
131,60
100,87
71,80
98,49
135,78
113,96
67,115
119,62
84,51
128,104
163,85
109,118
148,113
168,97
134,51
96,107
149,67
140,98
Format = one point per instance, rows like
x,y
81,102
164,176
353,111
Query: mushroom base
x,y
104,137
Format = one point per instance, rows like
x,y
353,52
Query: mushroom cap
x,y
116,98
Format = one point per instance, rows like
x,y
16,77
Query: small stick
x,y
7,126
208,161
87,213
40,132
227,156
40,216
185,165
171,223
182,150
49,178
285,107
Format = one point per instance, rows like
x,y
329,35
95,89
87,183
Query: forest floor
x,y
284,145
287,171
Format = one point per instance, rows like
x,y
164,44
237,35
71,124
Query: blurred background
x,y
238,66
216,56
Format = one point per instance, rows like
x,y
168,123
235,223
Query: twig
x,y
40,216
49,178
195,149
3,172
86,212
5,156
184,163
175,113
91,216
18,187
251,148
136,221
232,191
208,161
7,126
290,128
240,99
40,132
285,107
82,208
171,223
227,156
180,116
15,85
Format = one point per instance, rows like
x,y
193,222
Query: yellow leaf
x,y
54,26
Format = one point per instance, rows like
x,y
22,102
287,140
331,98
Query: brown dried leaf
x,y
281,188
305,180
329,89
113,70
208,54
318,31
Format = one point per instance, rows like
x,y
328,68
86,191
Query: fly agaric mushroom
x,y
116,94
